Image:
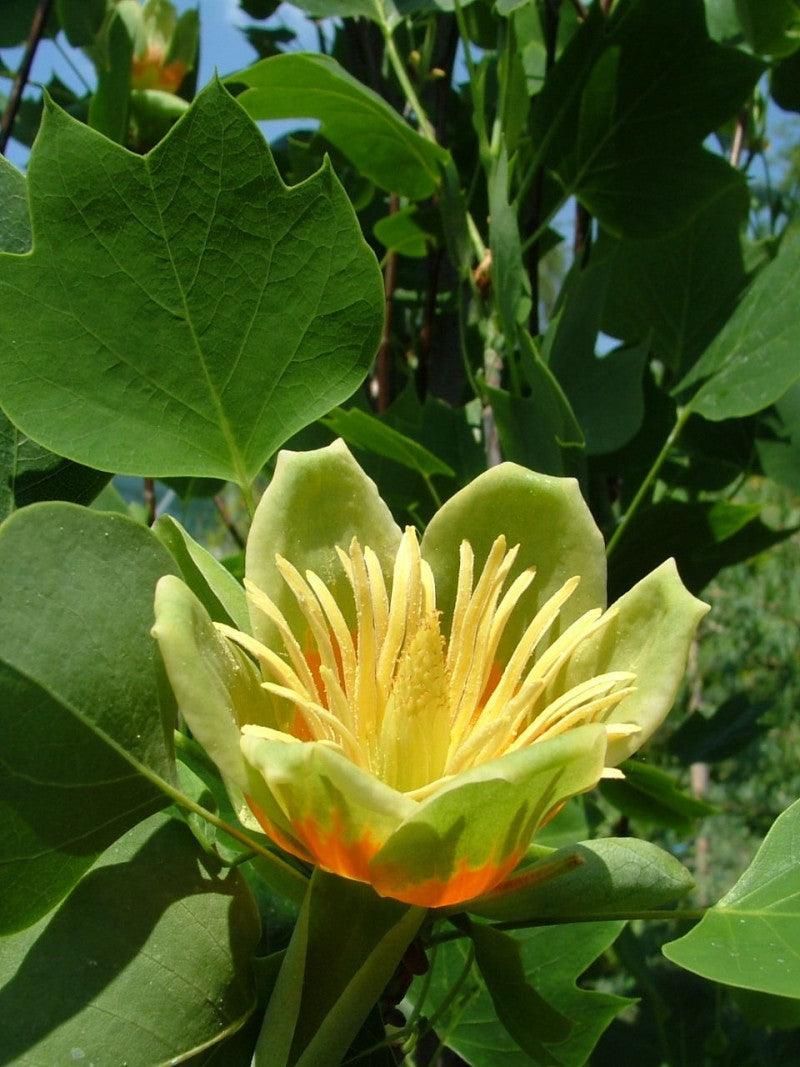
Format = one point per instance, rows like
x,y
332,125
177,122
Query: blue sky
x,y
222,47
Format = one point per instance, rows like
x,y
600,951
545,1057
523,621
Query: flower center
x,y
405,702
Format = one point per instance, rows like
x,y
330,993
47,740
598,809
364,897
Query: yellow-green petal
x,y
217,688
650,636
340,814
549,520
470,835
315,501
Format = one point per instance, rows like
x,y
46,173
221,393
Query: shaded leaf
x,y
346,946
82,582
771,27
552,958
751,938
678,290
153,958
651,796
703,537
524,1013
642,93
708,739
539,431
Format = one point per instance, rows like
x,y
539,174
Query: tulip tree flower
x,y
407,712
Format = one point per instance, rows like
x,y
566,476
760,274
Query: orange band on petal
x,y
331,850
465,883
276,835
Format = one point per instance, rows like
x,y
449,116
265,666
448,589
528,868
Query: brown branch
x,y
150,500
40,17
739,134
228,522
582,241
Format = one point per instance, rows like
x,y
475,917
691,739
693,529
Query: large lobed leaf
x,y
753,360
135,967
552,959
751,938
182,312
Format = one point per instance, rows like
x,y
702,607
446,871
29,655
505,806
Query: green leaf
x,y
722,20
679,290
362,430
650,795
404,232
186,318
146,961
81,19
15,24
784,82
81,699
643,92
215,587
606,393
753,360
506,248
552,959
15,223
526,1016
751,938
29,473
771,27
708,739
108,107
539,430
373,136
610,876
764,1010
345,948
780,459
703,537
377,10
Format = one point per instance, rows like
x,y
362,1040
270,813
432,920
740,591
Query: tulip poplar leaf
x,y
753,359
184,312
82,697
552,960
751,938
610,876
134,967
373,136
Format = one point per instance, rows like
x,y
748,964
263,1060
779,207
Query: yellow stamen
x,y
398,697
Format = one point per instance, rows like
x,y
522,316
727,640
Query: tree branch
x,y
15,97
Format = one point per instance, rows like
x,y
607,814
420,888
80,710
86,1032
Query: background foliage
x,y
584,220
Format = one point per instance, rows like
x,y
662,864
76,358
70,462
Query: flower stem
x,y
648,915
649,478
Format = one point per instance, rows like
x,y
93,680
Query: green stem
x,y
248,496
644,488
543,225
409,91
432,489
279,874
652,915
425,125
